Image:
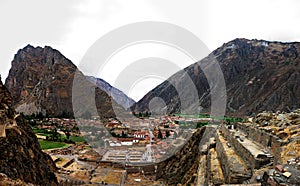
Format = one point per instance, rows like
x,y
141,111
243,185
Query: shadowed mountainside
x,y
21,156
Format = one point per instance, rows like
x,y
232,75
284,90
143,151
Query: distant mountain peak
x,y
30,52
119,96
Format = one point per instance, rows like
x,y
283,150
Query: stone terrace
x,y
262,150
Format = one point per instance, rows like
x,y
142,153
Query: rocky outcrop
x,y
259,75
21,157
41,80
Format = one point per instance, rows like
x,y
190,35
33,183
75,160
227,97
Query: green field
x,y
194,115
225,118
76,139
51,144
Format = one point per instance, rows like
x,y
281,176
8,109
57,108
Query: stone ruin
x,y
262,150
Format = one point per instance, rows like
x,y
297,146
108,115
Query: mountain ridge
x,y
259,64
41,79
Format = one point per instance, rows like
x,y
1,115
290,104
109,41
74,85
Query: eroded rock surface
x,y
21,157
41,81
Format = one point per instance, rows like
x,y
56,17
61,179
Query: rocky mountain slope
x,y
113,92
41,80
21,157
259,75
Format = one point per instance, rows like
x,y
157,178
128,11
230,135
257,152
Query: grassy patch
x,y
52,144
35,130
77,139
194,115
43,134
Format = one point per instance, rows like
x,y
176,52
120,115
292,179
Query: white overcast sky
x,y
73,26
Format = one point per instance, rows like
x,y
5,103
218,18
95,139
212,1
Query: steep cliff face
x,y
41,80
259,75
21,156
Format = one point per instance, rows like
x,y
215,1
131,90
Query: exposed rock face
x,y
116,94
41,80
259,75
21,156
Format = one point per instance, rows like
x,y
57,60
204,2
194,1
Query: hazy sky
x,y
73,26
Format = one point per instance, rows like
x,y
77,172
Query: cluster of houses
x,y
56,123
155,132
141,132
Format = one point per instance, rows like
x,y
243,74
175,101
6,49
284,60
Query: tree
x,y
54,135
123,134
113,134
160,136
67,133
39,116
167,133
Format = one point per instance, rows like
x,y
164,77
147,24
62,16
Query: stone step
x,y
234,168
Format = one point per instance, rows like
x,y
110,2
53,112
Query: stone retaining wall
x,y
175,168
253,162
269,141
234,169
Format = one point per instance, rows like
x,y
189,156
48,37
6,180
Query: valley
x,y
259,150
65,137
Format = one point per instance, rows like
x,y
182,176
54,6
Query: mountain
x,y
259,75
116,94
41,81
21,157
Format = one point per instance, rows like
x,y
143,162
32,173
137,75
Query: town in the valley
x,y
263,148
112,152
